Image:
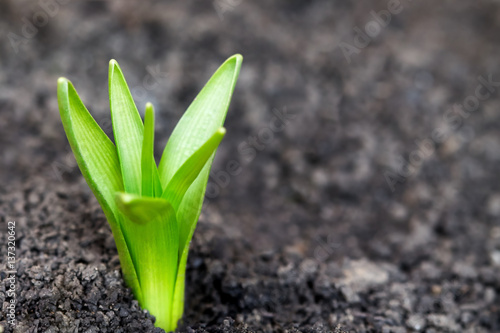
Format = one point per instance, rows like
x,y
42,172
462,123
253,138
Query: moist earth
x,y
354,216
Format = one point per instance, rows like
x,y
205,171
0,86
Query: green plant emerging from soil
x,y
152,210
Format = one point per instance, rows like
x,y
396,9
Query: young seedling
x,y
152,210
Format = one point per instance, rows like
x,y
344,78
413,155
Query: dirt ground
x,y
375,208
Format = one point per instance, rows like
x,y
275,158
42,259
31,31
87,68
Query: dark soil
x,y
310,236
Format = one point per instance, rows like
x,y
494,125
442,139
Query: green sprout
x,y
152,210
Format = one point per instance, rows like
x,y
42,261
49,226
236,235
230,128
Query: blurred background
x,y
388,152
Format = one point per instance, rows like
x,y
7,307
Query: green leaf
x,y
141,209
151,186
127,129
151,229
98,160
187,173
203,117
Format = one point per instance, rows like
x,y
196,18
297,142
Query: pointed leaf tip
x,y
237,56
238,60
111,68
